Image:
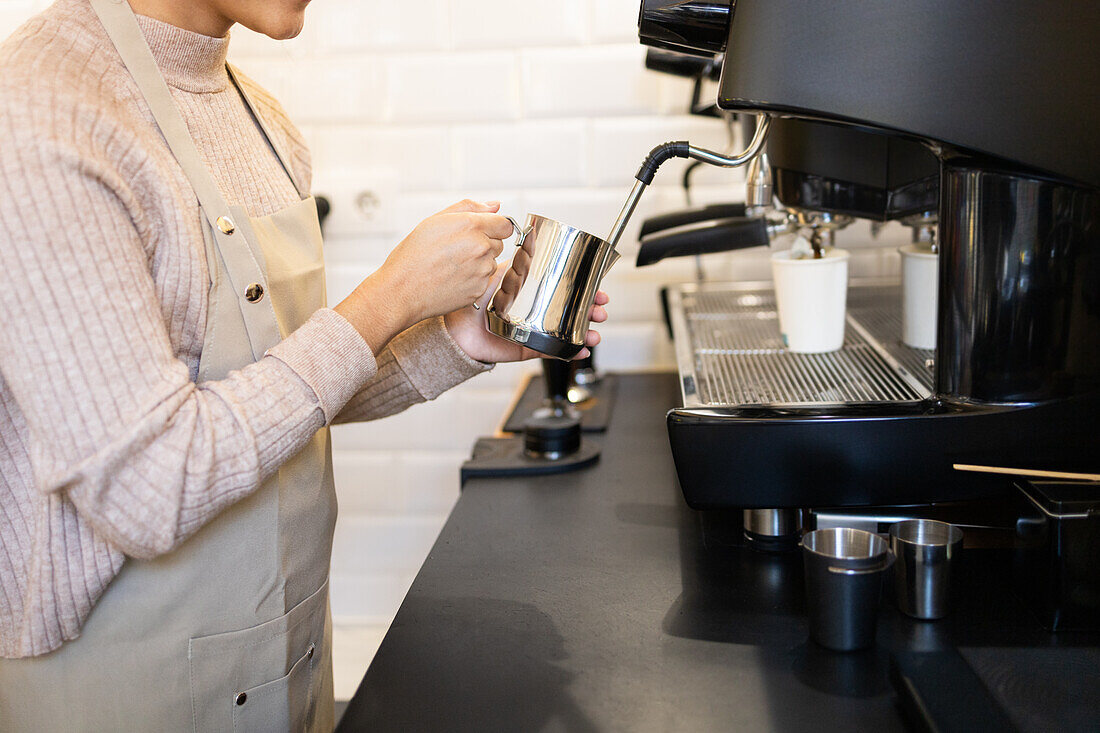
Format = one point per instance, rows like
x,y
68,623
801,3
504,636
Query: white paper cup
x,y
811,297
919,296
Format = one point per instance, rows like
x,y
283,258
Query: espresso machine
x,y
978,125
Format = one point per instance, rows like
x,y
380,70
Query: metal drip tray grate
x,y
730,352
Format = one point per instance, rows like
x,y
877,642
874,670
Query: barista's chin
x,y
286,35
278,24
282,31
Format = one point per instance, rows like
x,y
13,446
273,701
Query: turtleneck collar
x,y
189,61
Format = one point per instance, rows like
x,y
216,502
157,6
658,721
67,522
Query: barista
x,y
168,371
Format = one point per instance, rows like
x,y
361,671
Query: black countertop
x,y
598,600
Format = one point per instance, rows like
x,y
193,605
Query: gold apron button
x,y
241,698
254,292
226,225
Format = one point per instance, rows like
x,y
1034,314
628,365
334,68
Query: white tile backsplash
x,y
411,156
468,411
614,21
383,544
541,153
13,13
392,484
592,81
369,26
350,88
481,24
453,87
409,107
618,145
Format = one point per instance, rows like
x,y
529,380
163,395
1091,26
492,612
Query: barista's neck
x,y
199,16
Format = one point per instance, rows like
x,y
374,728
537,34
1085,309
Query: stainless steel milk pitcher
x,y
546,296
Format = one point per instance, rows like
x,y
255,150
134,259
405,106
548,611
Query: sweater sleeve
x,y
419,364
115,423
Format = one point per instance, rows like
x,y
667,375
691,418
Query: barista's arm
x,y
438,354
110,415
418,365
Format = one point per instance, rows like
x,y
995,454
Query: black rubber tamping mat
x,y
505,457
595,412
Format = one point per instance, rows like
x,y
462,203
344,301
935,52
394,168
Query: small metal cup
x,y
844,569
925,551
545,298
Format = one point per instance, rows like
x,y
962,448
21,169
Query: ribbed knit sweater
x,y
108,447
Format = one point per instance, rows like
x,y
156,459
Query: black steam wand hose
x,y
683,149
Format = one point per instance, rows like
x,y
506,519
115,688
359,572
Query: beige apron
x,y
231,631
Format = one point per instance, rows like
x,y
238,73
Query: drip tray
x,y
729,351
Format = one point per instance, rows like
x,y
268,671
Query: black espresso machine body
x,y
988,112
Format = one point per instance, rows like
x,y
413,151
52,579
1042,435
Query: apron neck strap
x,y
121,25
272,141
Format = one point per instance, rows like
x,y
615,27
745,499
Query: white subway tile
x,y
481,86
368,597
636,347
363,254
526,154
499,384
246,44
363,202
590,81
374,25
390,483
730,188
412,156
595,209
14,13
451,422
677,92
353,647
383,544
617,147
269,73
482,24
413,207
615,21
590,209
635,294
344,89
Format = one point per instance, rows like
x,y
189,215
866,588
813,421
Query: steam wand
x,y
682,149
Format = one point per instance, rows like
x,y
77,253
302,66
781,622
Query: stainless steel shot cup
x,y
925,551
844,569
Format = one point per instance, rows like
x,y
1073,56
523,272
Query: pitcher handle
x,y
521,235
519,231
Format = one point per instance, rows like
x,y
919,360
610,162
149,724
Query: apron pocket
x,y
236,676
281,705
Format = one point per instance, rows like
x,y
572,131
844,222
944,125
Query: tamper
x,y
554,430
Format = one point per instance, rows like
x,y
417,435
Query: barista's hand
x,y
467,328
447,262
